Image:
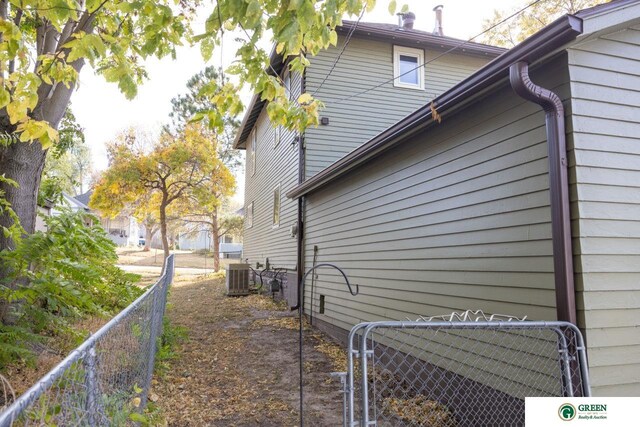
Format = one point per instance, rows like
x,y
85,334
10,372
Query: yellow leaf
x,y
136,402
305,98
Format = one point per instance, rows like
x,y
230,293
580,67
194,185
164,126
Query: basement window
x,y
276,206
408,67
249,216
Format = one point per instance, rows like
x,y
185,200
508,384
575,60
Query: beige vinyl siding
x,y
605,87
274,166
456,218
366,63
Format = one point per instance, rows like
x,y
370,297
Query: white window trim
x,y
407,51
277,135
253,141
273,213
286,80
249,224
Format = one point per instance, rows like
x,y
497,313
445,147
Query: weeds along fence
x,y
459,370
106,380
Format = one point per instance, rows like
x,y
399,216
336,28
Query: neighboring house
x,y
73,204
432,217
123,230
201,239
278,160
44,210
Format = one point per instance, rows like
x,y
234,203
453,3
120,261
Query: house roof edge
x,y
545,41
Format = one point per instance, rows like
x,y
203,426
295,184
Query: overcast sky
x,y
103,112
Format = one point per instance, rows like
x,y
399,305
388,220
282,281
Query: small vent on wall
x,y
321,309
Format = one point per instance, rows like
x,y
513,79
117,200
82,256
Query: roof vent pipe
x,y
407,20
438,28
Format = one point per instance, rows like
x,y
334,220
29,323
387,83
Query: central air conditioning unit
x,y
237,280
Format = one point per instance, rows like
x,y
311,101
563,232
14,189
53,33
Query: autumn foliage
x,y
167,171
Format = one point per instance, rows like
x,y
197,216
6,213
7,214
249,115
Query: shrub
x,y
58,276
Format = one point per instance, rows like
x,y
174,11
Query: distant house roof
x,y
84,198
552,37
385,32
73,201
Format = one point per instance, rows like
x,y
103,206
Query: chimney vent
x,y
438,29
407,20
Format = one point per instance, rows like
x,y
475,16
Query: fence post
x,y
91,385
168,279
364,353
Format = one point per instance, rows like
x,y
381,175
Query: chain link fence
x,y
462,370
106,380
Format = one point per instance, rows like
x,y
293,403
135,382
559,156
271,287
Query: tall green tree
x,y
530,21
69,164
195,103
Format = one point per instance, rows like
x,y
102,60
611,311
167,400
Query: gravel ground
x,y
239,365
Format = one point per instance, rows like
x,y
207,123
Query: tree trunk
x,y
215,232
163,227
23,163
149,233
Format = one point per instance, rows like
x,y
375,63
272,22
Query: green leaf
x,y
392,7
295,4
138,418
333,38
5,97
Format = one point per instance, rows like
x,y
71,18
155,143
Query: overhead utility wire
x,y
458,46
344,47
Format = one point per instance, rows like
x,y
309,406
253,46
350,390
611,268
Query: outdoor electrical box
x,y
237,279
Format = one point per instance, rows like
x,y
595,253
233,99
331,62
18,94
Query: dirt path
x,y
239,366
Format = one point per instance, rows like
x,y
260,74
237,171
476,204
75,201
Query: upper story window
x,y
248,220
252,155
407,67
277,135
276,206
286,79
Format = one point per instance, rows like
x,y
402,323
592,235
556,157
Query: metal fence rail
x,y
107,378
459,372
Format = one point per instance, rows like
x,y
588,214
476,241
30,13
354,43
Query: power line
x,y
458,46
344,47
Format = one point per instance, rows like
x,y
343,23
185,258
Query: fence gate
x,y
461,370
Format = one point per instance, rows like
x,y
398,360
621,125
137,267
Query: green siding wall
x,y
274,165
456,218
366,63
605,85
363,63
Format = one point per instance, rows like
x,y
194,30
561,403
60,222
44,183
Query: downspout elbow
x,y
558,186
